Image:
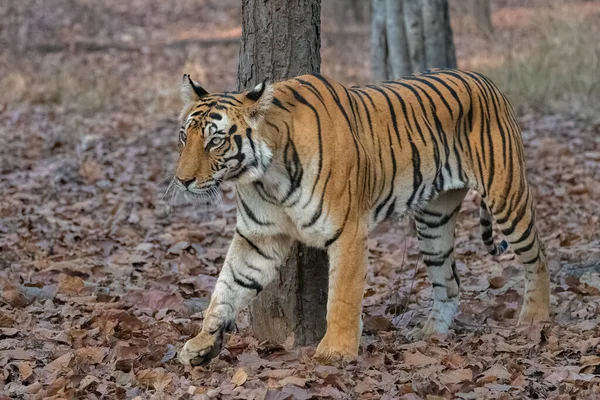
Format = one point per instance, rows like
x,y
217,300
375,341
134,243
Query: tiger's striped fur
x,y
321,163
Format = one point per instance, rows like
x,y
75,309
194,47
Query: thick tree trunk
x,y
280,40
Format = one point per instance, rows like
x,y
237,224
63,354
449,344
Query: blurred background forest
x,y
95,56
99,277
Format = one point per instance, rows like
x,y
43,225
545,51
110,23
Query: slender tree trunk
x,y
481,11
409,36
413,21
396,40
280,40
450,49
439,49
358,7
379,47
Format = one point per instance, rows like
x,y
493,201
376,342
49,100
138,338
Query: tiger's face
x,y
219,139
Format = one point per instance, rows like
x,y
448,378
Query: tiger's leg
x,y
435,230
347,274
251,264
515,215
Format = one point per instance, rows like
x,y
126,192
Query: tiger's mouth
x,y
206,194
203,189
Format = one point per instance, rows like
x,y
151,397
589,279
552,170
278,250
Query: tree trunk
x,y
379,47
359,10
396,40
413,21
439,46
482,16
450,49
280,40
409,36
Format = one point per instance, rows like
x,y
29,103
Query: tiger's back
x,y
420,135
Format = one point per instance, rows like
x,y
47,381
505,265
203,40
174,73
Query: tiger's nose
x,y
187,182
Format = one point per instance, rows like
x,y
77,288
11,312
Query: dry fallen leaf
x,y
157,378
365,385
60,363
519,381
589,364
293,380
87,381
25,370
276,373
156,300
5,320
239,378
8,332
453,360
178,247
496,372
93,355
90,171
15,298
457,376
418,359
496,282
376,323
71,285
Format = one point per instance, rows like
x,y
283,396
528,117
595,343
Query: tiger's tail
x,y
485,219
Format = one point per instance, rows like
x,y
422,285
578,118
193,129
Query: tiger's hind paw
x,y
531,315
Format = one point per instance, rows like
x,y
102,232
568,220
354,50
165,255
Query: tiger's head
x,y
219,139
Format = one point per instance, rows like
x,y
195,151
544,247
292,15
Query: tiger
x,y
320,163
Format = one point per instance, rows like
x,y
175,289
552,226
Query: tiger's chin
x,y
206,197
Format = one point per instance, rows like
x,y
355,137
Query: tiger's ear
x,y
191,91
257,91
260,99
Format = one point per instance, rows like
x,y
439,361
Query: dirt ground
x,y
101,279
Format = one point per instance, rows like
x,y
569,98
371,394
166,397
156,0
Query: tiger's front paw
x,y
201,349
331,352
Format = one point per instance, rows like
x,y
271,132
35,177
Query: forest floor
x,y
101,280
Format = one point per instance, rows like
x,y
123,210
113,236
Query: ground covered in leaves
x,y
101,280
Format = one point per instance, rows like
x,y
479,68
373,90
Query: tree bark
x,y
409,36
413,21
450,49
399,64
379,47
436,32
481,11
281,39
359,9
